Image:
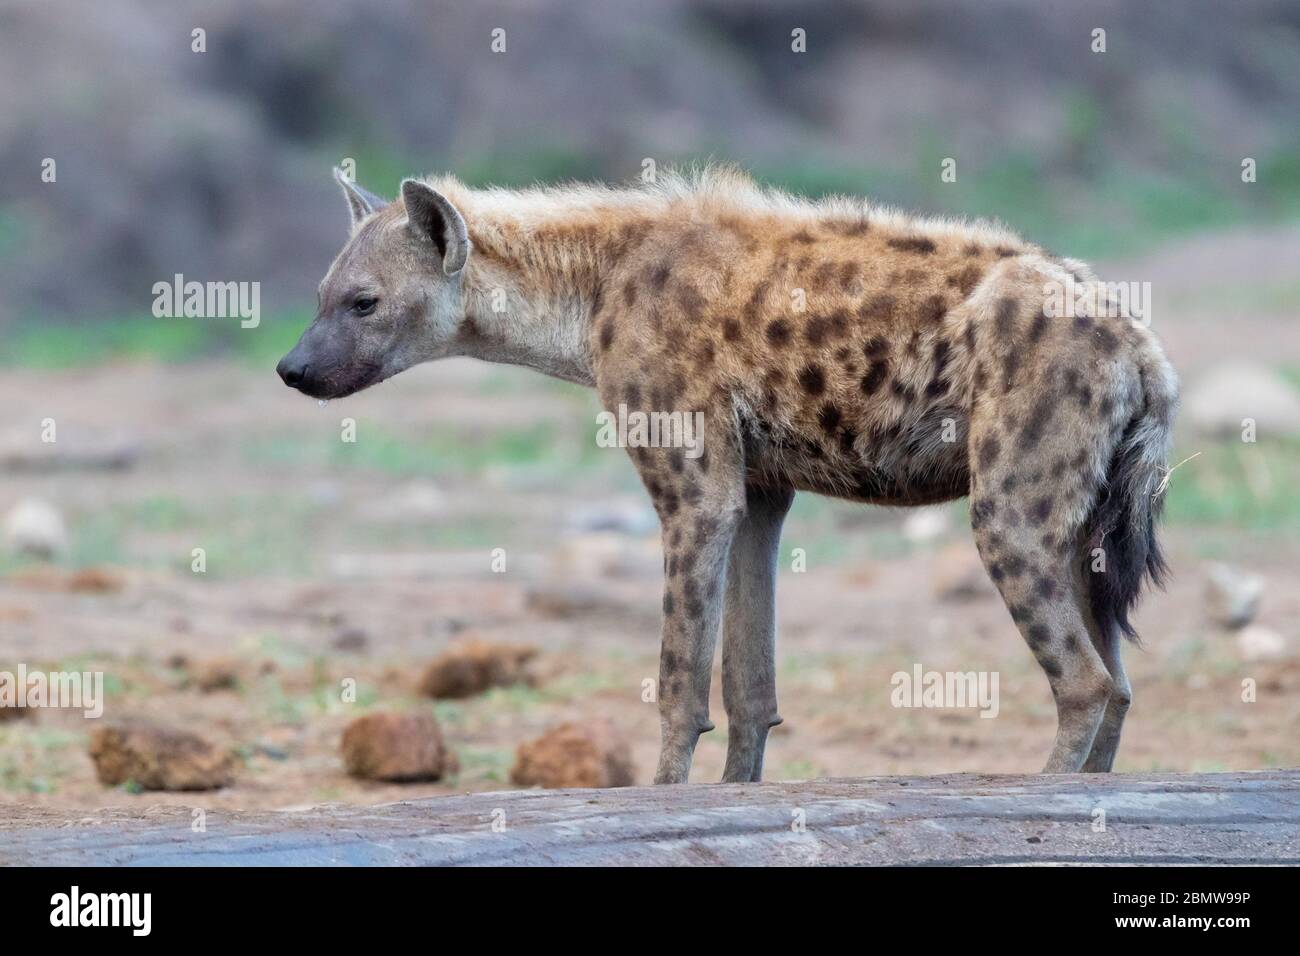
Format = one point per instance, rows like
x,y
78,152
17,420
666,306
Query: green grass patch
x,y
1246,485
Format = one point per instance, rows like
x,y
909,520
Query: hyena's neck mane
x,y
542,256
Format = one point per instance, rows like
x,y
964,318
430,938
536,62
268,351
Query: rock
x,y
470,667
13,713
218,673
575,755
351,639
1232,596
1216,403
158,758
35,527
924,525
958,574
84,580
396,747
1257,643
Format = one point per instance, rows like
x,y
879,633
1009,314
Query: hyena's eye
x,y
364,305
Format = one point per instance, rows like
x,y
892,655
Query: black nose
x,y
291,372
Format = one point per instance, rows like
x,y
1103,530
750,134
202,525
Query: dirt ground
x,y
329,560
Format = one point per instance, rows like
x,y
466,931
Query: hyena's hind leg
x,y
1043,587
1070,429
1106,743
749,633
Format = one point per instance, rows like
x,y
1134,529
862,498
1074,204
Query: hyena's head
x,y
393,297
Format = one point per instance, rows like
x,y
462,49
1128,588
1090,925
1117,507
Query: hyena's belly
x,y
921,458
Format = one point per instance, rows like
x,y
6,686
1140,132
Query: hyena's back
x,y
853,355
902,362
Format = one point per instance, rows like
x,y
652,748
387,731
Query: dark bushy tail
x,y
1123,521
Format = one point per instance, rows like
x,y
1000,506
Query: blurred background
x,y
1173,157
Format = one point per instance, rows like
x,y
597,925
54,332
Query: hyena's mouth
x,y
341,382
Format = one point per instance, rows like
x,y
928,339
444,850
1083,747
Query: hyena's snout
x,y
293,369
324,364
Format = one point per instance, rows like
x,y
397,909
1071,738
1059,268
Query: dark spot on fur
x,y
1014,565
731,330
933,310
659,276
915,244
875,377
1106,340
878,308
668,603
877,347
802,236
1010,365
1037,327
1004,320
989,450
1037,635
812,379
606,335
1036,426
829,418
966,280
778,333
1040,511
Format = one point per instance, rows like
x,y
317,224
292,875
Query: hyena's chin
x,y
342,382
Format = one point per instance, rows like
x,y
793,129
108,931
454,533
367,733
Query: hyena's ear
x,y
361,202
433,217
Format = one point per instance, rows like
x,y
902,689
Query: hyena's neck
x,y
531,287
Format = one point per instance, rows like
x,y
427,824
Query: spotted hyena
x,y
832,347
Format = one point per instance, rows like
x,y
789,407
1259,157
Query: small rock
x,y
218,673
95,581
1216,403
157,758
924,525
35,527
1257,643
472,666
575,755
86,580
396,747
1232,596
958,574
13,713
351,639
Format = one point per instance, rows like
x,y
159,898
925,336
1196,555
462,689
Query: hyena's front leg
x,y
749,633
700,503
